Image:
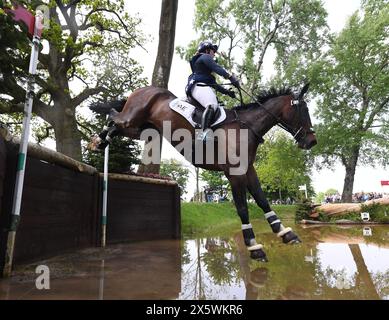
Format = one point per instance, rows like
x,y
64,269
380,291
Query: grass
x,y
219,218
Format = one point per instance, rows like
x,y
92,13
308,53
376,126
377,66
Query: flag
x,y
303,187
384,182
25,16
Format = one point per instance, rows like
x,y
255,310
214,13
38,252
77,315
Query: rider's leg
x,y
254,187
207,98
207,118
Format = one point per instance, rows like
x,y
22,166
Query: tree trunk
x,y
363,273
163,62
349,177
167,30
67,136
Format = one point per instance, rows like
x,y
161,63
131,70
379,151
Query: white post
x,y
21,162
105,197
306,193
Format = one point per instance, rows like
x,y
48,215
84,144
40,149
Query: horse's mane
x,y
266,95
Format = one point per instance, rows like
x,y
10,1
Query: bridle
x,y
298,134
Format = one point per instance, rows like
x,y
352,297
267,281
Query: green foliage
x,y
281,165
378,212
320,196
352,79
331,191
215,180
175,170
89,56
247,29
303,210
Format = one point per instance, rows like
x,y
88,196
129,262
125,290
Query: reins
x,y
282,124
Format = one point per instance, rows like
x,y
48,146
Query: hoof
x,y
258,255
291,238
101,146
94,143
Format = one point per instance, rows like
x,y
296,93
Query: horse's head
x,y
297,120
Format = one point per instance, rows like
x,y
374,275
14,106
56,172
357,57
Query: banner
x,y
303,187
384,182
20,14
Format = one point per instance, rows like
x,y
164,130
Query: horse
x,y
148,107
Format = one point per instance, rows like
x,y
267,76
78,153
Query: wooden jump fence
x,y
62,202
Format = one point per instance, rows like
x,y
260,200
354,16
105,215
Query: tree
x,y
249,29
282,167
352,79
163,62
175,170
80,36
320,197
215,181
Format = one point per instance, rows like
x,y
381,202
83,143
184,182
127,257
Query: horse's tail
x,y
106,107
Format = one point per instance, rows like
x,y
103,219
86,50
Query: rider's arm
x,y
212,65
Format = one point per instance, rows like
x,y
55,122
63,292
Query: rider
x,y
201,83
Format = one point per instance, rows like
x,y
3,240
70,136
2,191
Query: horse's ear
x,y
304,91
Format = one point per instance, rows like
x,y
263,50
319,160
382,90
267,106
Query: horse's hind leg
x,y
239,186
254,186
103,134
101,141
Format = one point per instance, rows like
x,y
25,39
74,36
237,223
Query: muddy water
x,y
332,263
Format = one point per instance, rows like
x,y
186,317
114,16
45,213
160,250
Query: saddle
x,y
193,111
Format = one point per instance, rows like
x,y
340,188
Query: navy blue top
x,y
202,66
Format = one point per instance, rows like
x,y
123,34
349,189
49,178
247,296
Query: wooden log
x,y
334,209
127,177
38,152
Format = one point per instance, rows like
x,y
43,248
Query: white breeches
x,y
205,96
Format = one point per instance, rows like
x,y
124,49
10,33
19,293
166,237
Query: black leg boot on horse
x,y
101,141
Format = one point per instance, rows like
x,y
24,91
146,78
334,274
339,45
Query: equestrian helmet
x,y
205,45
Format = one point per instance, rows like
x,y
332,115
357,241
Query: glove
x,y
234,81
231,94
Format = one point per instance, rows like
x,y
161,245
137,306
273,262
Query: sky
x,y
366,179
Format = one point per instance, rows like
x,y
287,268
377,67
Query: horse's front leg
x,y
239,187
254,187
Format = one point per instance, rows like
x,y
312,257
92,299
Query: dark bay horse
x,y
149,108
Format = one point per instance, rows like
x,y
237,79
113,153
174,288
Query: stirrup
x,y
205,135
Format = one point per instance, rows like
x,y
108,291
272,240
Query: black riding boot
x,y
206,122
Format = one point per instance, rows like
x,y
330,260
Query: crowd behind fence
x,y
357,197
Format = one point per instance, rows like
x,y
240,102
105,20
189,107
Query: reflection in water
x,y
331,263
210,271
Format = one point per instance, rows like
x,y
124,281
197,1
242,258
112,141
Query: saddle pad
x,y
186,109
